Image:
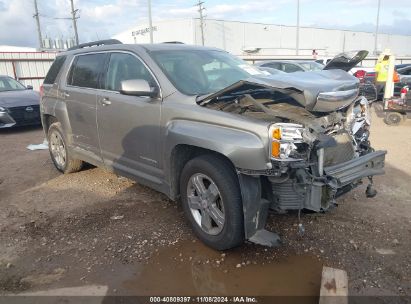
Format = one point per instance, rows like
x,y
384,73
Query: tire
x,y
393,118
222,192
59,153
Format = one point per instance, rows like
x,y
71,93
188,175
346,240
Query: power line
x,y
200,11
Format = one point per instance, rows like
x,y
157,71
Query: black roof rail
x,y
95,43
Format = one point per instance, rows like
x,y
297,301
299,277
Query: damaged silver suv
x,y
206,128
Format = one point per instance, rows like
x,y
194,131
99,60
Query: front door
x,y
129,126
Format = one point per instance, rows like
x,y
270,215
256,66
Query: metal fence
x,y
29,68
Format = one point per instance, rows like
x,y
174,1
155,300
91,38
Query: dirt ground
x,y
97,230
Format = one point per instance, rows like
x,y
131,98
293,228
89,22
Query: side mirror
x,y
138,87
29,87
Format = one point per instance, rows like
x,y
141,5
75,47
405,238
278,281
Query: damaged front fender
x,y
255,209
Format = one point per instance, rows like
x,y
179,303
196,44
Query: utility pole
x,y
297,41
150,23
36,15
200,10
74,18
376,28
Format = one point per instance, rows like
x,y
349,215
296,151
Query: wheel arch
x,y
179,156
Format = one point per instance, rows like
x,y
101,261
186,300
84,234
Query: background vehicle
x,y
206,128
397,109
19,105
323,61
403,71
290,66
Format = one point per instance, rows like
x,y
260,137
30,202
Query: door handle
x,y
65,94
105,101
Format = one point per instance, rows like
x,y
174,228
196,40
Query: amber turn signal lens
x,y
277,133
275,149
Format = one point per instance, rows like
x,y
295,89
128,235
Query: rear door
x,y
129,126
80,93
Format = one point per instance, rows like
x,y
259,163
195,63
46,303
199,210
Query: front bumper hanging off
x,y
353,170
312,196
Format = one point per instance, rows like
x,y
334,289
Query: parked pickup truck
x,y
207,129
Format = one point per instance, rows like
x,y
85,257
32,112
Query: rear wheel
x,y
59,153
393,118
212,203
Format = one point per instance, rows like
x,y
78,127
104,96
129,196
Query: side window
x,y
85,70
54,70
124,67
273,65
290,68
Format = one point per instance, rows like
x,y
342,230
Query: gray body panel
x,y
139,136
148,129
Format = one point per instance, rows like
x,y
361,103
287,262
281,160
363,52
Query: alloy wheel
x,y
205,203
58,149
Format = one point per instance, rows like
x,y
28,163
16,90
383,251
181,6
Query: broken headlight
x,y
286,141
358,115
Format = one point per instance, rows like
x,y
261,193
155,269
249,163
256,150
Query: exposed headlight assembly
x,y
284,138
2,109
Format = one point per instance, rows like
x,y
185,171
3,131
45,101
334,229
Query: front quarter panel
x,y
244,149
242,140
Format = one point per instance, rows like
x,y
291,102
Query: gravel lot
x,y
94,228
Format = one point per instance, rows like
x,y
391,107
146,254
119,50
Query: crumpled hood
x,y
304,87
21,98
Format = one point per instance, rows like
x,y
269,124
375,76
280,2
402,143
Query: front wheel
x,y
212,202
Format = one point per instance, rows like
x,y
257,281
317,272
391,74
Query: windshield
x,y
9,84
200,72
312,66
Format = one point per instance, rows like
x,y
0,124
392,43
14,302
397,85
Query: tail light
x,y
41,91
360,74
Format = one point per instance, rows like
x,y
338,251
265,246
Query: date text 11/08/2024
x,y
204,299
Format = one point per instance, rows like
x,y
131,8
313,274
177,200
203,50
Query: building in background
x,y
240,38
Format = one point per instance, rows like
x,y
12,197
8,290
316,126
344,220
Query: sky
x,y
102,19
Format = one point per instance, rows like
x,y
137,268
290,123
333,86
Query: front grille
x,y
342,152
24,117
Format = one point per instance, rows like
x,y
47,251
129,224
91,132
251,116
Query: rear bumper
x,y
351,171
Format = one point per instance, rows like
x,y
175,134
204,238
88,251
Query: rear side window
x,y
291,68
273,65
85,70
54,70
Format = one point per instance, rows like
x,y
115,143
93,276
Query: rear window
x,y
86,70
54,70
